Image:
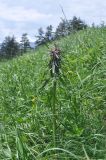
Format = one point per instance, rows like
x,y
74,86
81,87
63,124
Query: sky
x,y
27,16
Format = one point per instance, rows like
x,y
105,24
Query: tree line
x,y
10,47
64,28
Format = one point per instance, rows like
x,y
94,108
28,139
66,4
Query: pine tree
x,y
77,24
60,30
63,29
25,44
9,47
48,34
40,38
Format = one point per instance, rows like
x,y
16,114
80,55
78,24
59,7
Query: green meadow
x,y
27,100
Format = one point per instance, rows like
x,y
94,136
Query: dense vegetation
x,y
26,91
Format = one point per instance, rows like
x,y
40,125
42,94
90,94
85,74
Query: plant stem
x,y
54,112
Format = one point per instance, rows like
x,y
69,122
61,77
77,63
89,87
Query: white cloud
x,y
17,31
16,20
21,14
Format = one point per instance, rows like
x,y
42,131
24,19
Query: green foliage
x,y
41,37
25,102
9,47
67,27
62,29
25,44
48,34
77,24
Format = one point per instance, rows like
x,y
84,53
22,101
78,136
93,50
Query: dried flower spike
x,y
54,61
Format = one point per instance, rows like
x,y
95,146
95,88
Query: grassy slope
x,y
25,107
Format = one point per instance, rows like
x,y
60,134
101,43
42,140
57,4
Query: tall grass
x,y
27,99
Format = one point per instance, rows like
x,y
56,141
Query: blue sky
x,y
21,16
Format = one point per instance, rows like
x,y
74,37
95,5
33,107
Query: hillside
x,y
26,91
